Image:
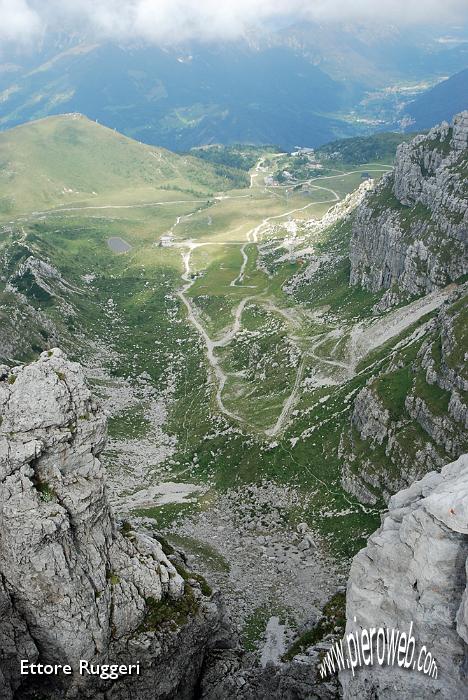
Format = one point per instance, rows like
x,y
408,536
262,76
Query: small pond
x,y
118,245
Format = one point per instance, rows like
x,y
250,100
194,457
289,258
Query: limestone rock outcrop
x,y
73,584
410,235
414,569
412,417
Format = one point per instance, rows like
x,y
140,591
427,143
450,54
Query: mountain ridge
x,y
292,86
69,159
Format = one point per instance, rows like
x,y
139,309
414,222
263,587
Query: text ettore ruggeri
x,y
85,668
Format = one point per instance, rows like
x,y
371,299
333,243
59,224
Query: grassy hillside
x,y
65,160
364,149
240,155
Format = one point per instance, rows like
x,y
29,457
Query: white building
x,y
303,151
166,240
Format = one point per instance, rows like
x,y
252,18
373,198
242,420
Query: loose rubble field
x,y
269,565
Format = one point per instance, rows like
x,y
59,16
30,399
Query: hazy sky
x,y
169,21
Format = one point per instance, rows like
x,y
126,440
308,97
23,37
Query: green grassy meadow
x,y
82,184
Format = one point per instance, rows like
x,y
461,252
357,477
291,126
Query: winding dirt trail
x,y
211,345
252,235
363,338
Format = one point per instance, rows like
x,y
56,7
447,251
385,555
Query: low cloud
x,y
174,21
18,20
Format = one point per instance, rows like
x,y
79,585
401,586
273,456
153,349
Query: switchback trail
x,y
362,337
228,337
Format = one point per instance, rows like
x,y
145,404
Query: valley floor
x,y
226,361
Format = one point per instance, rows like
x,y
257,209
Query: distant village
x,y
309,158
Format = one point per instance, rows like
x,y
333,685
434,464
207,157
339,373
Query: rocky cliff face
x,y
30,288
414,569
73,584
410,235
412,417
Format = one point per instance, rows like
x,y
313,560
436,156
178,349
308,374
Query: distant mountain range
x,y
302,85
179,100
440,103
